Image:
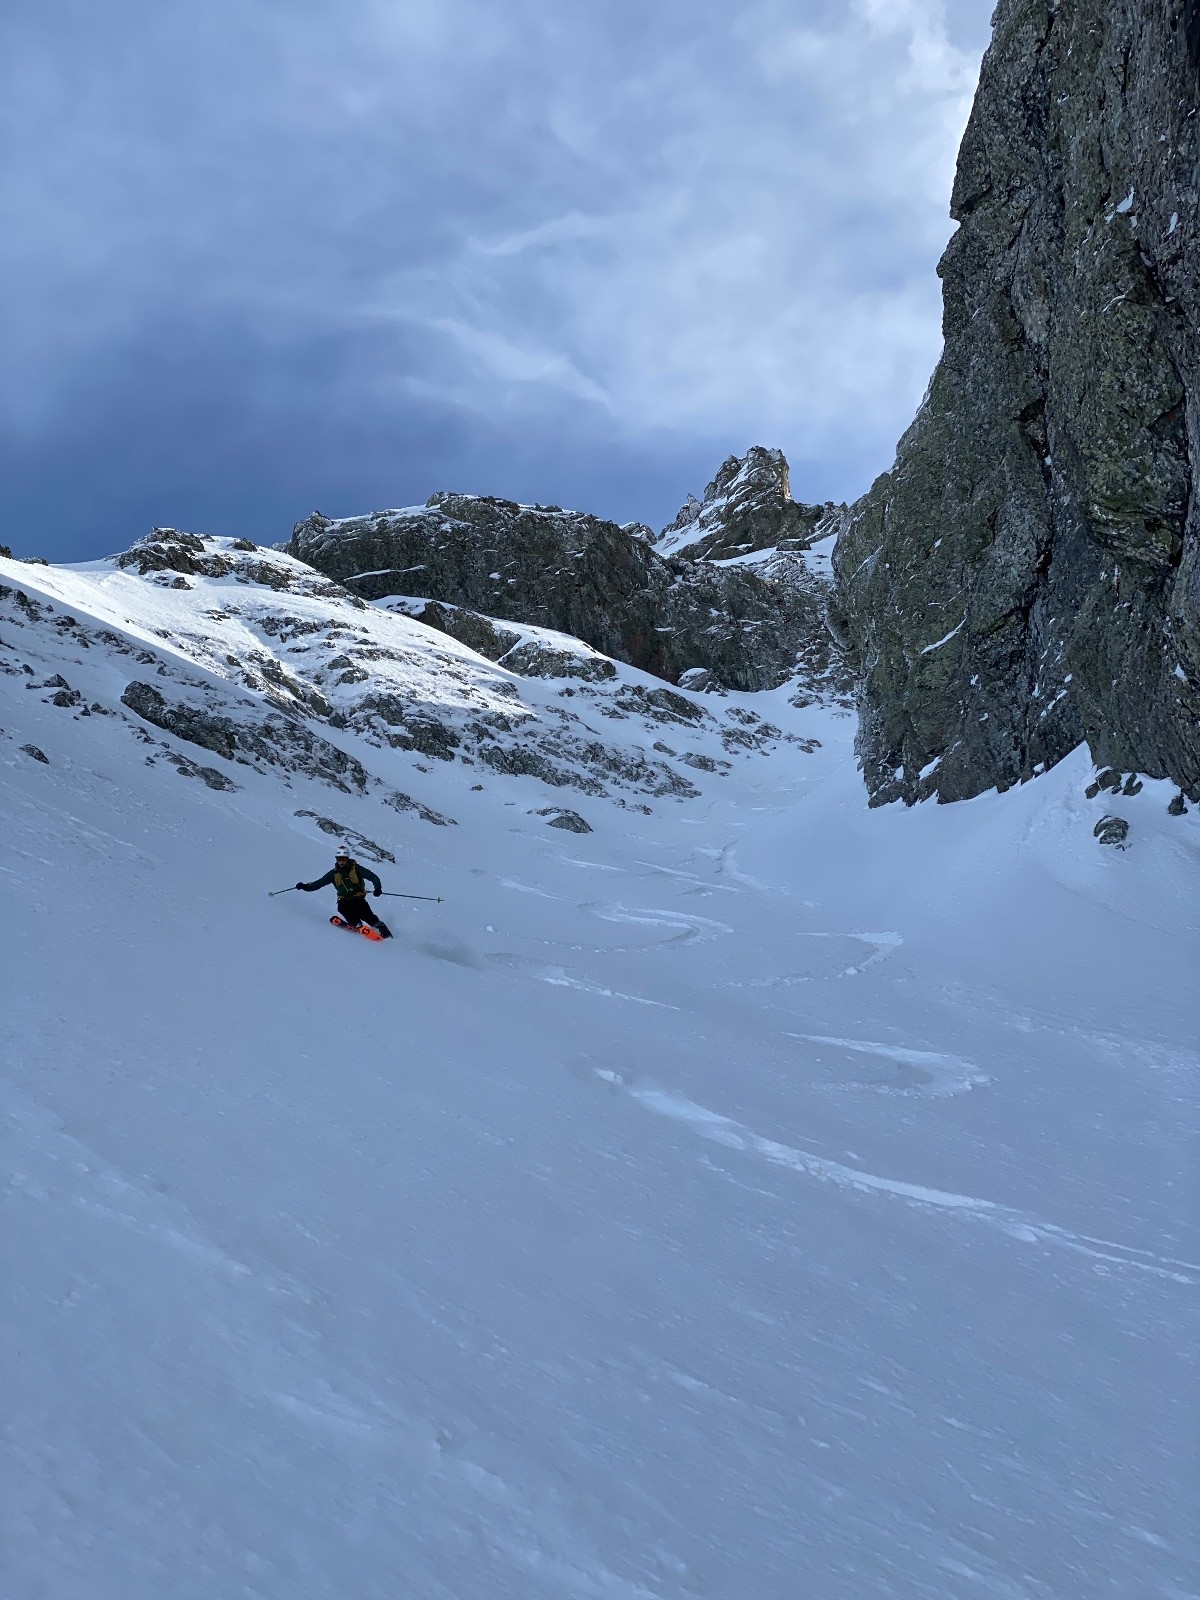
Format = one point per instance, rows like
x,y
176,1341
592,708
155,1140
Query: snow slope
x,y
756,1198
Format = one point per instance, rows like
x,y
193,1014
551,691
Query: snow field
x,y
762,1197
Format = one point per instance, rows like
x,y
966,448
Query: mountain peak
x,y
748,506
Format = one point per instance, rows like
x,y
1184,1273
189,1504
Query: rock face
x,y
1028,574
748,506
580,575
274,741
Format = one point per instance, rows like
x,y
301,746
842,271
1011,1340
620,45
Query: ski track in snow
x,y
688,928
684,928
880,945
694,880
560,978
529,888
1015,1224
929,1072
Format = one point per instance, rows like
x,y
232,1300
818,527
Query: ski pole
x,y
396,895
271,893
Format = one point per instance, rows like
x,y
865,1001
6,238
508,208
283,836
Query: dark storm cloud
x,y
260,256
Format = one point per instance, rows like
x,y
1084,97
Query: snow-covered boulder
x,y
536,658
562,817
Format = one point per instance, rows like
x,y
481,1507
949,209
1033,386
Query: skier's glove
x,y
378,892
302,886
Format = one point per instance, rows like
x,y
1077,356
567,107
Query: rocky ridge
x,y
602,583
1028,574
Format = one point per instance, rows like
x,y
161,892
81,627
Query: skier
x,y
347,877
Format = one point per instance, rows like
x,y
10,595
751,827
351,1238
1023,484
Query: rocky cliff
x,y
580,575
1028,573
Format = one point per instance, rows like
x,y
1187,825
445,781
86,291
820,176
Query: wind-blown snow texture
x,y
758,1197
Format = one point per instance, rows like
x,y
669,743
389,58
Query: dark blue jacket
x,y
349,884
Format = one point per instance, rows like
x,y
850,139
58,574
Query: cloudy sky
x,y
264,256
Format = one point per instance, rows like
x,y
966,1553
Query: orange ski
x,y
362,927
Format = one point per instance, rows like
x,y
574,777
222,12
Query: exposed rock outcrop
x,y
580,575
478,633
168,550
748,506
1028,574
559,817
1113,831
358,842
272,741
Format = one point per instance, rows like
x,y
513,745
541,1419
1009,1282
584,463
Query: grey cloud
x,y
674,219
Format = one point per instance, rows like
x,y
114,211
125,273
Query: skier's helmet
x,y
343,853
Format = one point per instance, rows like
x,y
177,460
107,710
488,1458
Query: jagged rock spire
x,y
748,506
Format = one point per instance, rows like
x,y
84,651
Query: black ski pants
x,y
355,909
